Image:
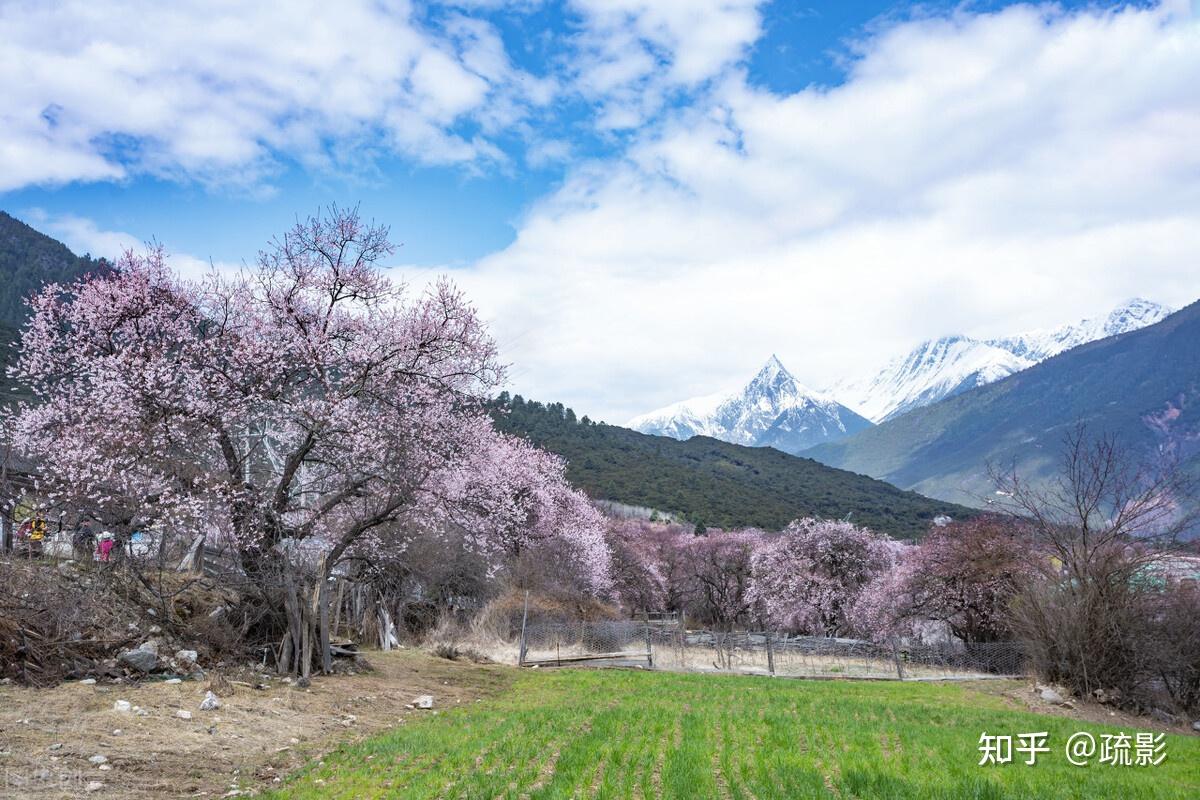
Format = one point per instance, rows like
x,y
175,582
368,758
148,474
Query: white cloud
x,y
634,53
225,92
217,91
977,173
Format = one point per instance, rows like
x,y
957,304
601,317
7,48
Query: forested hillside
x,y
713,483
28,261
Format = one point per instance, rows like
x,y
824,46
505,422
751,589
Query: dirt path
x,y
258,735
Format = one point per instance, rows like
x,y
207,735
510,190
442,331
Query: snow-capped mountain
x,y
943,367
772,410
1042,344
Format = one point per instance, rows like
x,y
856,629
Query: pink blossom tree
x,y
639,579
809,576
964,575
305,406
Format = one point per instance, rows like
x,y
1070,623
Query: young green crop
x,y
619,734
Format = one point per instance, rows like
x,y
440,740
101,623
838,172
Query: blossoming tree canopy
x,y
308,397
810,576
964,575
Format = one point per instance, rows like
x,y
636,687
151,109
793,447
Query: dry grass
x,y
257,736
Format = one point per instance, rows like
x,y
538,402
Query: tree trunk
x,y
284,664
295,615
323,618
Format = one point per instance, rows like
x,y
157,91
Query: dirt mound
x,y
68,620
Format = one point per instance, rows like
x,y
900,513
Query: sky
x,y
644,198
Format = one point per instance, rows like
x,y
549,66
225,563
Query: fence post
x,y
524,618
770,653
649,644
896,658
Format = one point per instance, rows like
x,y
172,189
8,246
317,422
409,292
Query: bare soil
x,y
47,736
1024,696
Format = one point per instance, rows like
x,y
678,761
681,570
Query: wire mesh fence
x,y
613,641
667,646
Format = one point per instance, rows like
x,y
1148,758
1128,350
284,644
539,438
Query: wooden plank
x,y
591,657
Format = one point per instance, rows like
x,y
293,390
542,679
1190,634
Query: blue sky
x,y
645,198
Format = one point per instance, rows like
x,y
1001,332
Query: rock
x,y
155,630
98,759
186,659
93,786
124,706
1196,726
143,659
105,767
423,701
88,682
210,702
183,714
1163,716
1051,696
56,746
173,681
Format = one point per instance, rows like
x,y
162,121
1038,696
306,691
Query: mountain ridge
x,y
1142,386
943,367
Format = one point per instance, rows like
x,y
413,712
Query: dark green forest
x,y
29,260
712,483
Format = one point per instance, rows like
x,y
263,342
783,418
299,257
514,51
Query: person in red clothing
x,y
105,546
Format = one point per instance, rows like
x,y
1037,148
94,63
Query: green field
x,y
625,734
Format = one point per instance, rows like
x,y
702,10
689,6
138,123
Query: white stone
x,y
123,706
88,682
93,786
423,701
210,702
98,759
1051,696
183,714
172,681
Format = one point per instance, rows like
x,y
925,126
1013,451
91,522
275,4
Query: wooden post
x,y
770,654
524,618
896,658
649,644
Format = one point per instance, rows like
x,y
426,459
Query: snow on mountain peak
x,y
939,368
773,409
